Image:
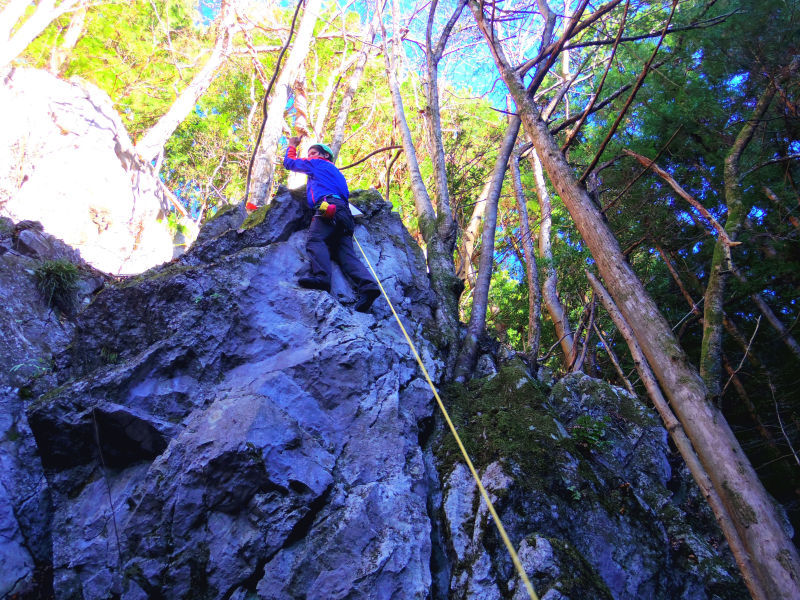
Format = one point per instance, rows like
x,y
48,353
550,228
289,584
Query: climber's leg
x,y
319,256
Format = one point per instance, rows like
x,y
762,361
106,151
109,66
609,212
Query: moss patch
x,y
12,433
255,218
498,418
160,272
579,579
367,200
740,506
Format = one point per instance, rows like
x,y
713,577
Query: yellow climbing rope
x,y
484,493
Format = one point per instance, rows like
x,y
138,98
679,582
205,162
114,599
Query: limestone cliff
x,y
67,161
208,429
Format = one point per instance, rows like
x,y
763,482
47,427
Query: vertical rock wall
x,y
208,429
252,437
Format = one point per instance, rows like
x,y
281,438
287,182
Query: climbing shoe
x,y
314,283
365,300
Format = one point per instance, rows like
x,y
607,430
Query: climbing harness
x,y
326,210
501,530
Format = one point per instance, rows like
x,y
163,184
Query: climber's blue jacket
x,y
324,179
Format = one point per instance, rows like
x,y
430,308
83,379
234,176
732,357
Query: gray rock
x,y
586,494
485,366
209,429
240,435
34,335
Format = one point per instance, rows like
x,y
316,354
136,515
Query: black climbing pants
x,y
333,238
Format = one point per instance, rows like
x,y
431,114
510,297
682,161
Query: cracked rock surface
x,y
594,499
220,432
208,429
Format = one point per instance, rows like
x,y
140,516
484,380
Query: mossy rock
x,y
160,272
605,397
222,210
255,218
367,201
503,418
578,579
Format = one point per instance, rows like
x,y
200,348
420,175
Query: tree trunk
x,y
433,54
74,31
480,295
771,317
684,445
469,237
734,478
352,86
614,360
531,268
45,13
441,269
577,361
324,107
264,163
295,180
713,311
151,144
550,284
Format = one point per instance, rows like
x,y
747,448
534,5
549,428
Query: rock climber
x,y
331,231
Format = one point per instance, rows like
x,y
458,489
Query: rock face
x,y
208,429
582,475
253,437
66,161
33,334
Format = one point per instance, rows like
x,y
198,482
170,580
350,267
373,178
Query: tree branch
x,y
685,195
637,85
588,110
528,65
645,170
379,150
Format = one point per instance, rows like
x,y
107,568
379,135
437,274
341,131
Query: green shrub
x,y
57,281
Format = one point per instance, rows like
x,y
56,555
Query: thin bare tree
x,y
439,248
266,154
531,266
480,293
151,145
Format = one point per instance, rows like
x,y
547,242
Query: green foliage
x,y
31,366
109,357
125,50
507,314
688,114
57,281
589,433
174,224
208,155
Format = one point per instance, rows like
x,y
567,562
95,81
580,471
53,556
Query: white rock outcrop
x,y
67,161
